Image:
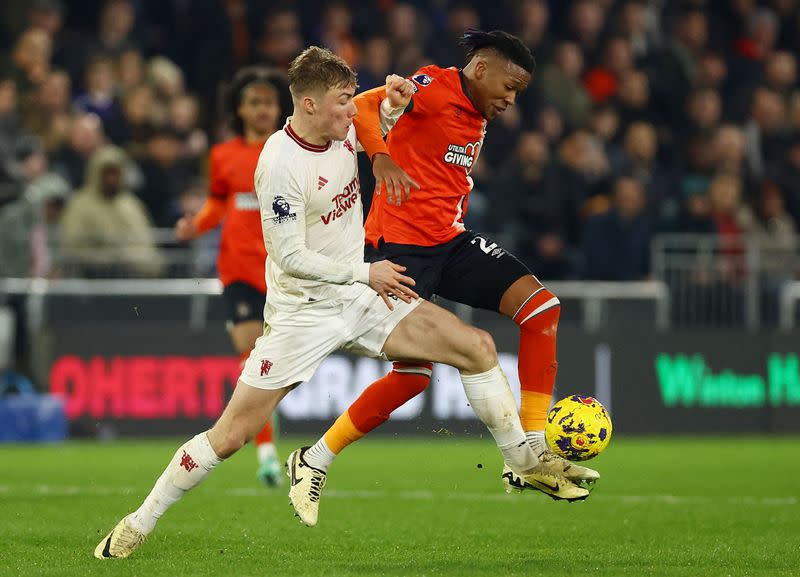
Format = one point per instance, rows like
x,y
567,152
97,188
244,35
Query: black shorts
x,y
243,302
470,269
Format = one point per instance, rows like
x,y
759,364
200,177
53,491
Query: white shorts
x,y
296,342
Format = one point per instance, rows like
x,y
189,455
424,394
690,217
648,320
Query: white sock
x,y
490,397
266,451
319,455
191,464
537,441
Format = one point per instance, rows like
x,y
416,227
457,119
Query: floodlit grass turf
x,y
674,507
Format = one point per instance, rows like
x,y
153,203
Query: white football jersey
x,y
312,219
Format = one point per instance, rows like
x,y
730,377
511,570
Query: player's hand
x,y
185,229
386,279
398,183
399,91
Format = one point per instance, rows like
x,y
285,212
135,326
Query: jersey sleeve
x,y
282,198
374,120
217,185
211,214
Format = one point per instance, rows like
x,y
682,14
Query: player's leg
x,y
242,418
482,274
245,308
292,347
405,381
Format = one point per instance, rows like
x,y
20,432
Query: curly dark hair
x,y
256,75
505,44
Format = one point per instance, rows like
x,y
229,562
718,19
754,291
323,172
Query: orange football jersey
x,y
242,254
436,143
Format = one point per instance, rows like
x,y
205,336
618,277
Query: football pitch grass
x,y
684,506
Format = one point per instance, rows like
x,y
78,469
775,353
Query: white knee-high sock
x,y
491,399
191,464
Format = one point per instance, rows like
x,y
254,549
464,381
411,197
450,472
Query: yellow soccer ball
x,y
578,428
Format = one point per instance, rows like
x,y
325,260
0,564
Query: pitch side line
x,y
424,495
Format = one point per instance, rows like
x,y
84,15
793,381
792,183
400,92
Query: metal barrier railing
x,y
594,295
789,297
725,281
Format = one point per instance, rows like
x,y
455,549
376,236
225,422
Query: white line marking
x,y
420,495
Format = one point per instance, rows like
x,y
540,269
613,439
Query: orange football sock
x,y
376,403
538,323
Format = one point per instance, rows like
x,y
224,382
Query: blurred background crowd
x,y
642,118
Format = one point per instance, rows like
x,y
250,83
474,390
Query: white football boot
x,y
544,479
306,486
121,542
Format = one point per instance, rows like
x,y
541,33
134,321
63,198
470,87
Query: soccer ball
x,y
578,428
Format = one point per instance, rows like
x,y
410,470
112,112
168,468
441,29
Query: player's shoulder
x,y
227,148
427,75
280,156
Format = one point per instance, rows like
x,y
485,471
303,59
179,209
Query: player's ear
x,y
309,105
481,67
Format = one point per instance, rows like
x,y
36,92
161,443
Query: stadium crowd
x,y
680,116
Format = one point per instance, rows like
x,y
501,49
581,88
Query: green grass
x,y
411,507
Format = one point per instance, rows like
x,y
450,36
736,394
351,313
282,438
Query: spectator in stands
x,y
166,175
336,32
130,71
764,132
528,218
780,74
10,121
561,85
640,160
581,173
115,29
29,62
376,62
68,46
634,99
634,25
131,129
774,228
99,97
85,137
50,111
586,21
677,63
616,244
184,119
602,81
789,178
732,218
704,111
444,48
407,36
106,227
281,39
532,28
729,154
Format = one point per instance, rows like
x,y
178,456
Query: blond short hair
x,y
318,70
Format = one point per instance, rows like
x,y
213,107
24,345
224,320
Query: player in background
x,y
323,297
257,103
436,142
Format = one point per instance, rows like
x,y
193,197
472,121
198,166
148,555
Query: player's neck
x,y
467,82
305,130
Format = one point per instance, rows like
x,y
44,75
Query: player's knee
x,y
483,353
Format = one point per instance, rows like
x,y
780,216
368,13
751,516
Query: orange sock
x,y
266,434
538,323
376,403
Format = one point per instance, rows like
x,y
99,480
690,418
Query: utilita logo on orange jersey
x,y
463,156
342,202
